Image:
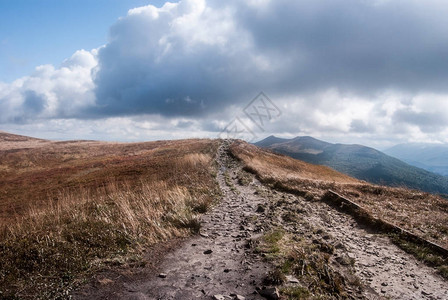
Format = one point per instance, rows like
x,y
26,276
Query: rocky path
x,y
215,263
383,266
386,270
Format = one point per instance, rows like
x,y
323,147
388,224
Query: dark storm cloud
x,y
361,46
154,63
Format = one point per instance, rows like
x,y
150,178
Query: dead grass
x,y
276,167
305,260
421,213
127,197
35,177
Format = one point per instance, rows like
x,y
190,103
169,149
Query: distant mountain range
x,y
431,157
359,161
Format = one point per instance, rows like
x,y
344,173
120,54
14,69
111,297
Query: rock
x,y
219,297
237,297
291,279
204,235
209,251
162,275
339,245
260,209
344,260
226,270
384,284
269,293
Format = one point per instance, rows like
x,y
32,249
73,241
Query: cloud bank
x,y
368,68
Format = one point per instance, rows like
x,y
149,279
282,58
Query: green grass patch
x,y
295,292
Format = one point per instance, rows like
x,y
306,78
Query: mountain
x,y
431,157
359,161
271,140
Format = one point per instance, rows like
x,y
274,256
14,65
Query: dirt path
x,y
386,268
218,261
383,267
214,262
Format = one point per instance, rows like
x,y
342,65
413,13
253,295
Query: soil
x,y
220,261
382,265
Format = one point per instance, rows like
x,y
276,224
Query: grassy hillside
x,y
360,162
423,214
70,208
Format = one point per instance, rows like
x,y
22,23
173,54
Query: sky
x,y
370,72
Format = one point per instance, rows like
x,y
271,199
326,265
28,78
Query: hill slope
x,y
360,162
431,157
110,212
67,208
13,141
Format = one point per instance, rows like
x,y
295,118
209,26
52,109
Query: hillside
x,y
431,157
10,141
69,208
208,219
360,162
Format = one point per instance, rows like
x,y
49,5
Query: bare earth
x,y
379,263
219,261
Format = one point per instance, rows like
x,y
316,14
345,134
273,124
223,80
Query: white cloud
x,y
50,92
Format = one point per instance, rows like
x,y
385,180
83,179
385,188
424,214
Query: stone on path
x,y
270,293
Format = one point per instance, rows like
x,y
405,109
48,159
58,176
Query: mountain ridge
x,y
361,162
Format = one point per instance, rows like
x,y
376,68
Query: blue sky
x,y
373,72
36,32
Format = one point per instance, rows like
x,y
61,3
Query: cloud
x,y
197,57
336,66
50,92
182,59
361,46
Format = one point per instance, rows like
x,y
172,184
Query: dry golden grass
x,y
274,166
12,141
77,205
34,177
421,213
